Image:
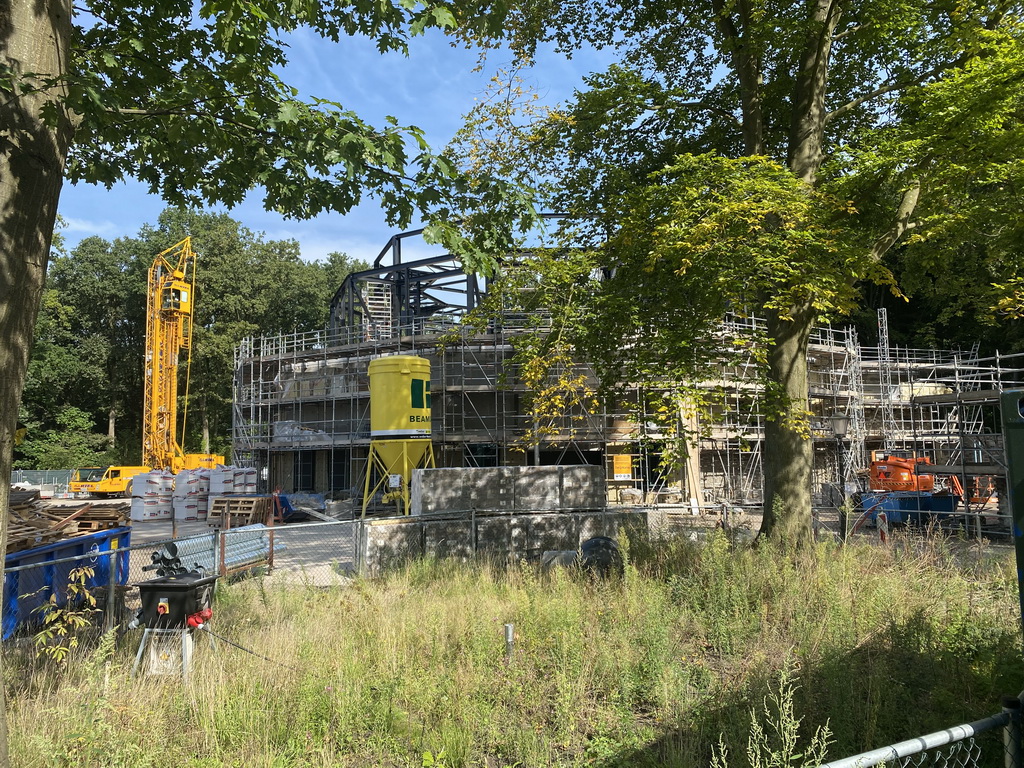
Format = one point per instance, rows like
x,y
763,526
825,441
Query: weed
x,y
64,623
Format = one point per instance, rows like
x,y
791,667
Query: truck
x,y
169,302
102,482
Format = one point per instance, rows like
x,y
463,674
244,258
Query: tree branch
x,y
710,108
903,222
894,86
746,63
846,32
852,105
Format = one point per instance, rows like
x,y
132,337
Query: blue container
x,y
907,506
24,591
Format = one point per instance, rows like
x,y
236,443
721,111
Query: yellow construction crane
x,y
172,288
170,296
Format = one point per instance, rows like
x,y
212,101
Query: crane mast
x,y
171,290
169,300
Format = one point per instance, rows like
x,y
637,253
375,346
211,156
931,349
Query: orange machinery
x,y
899,473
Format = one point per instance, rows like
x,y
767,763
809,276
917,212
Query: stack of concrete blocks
x,y
499,511
184,500
151,496
389,543
248,477
508,489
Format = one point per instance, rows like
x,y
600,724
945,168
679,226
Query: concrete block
x,y
538,488
490,488
583,487
434,491
494,536
449,539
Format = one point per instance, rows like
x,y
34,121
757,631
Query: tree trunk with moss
x,y
32,153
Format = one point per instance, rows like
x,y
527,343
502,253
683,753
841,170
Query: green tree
x,y
103,284
246,286
753,155
90,338
187,98
71,443
962,136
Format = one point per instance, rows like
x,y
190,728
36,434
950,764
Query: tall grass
x,y
656,668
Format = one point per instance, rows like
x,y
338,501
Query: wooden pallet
x,y
236,511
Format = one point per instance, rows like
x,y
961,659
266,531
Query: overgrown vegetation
x,y
665,667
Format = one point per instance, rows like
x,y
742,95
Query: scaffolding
x,y
301,402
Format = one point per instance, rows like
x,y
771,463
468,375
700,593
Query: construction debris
x,y
32,522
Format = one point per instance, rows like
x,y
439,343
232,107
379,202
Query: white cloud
x,y
87,227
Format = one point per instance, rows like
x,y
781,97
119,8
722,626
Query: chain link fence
x,y
994,742
330,553
51,482
314,554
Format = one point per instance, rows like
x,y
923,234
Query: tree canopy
x,y
765,157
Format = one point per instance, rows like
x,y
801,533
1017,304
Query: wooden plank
x,y
77,513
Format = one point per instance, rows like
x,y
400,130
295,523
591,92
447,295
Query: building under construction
x,y
302,401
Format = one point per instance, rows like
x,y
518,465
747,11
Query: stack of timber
x,y
236,511
32,522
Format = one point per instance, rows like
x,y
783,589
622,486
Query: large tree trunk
x,y
34,40
788,453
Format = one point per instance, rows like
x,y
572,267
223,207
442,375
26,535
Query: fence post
x,y
1011,732
221,542
270,525
472,532
360,546
113,578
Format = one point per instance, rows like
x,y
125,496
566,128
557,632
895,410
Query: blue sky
x,y
431,88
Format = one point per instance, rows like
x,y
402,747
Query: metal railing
x,y
971,745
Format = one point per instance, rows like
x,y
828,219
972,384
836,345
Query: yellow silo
x,y
399,426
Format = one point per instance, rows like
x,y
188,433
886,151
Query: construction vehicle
x,y
170,293
900,473
904,489
104,481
